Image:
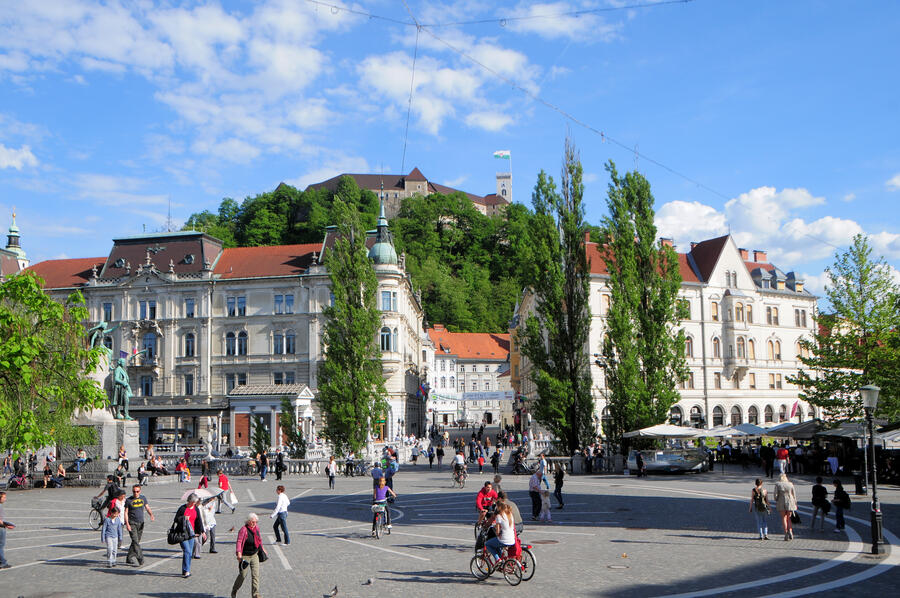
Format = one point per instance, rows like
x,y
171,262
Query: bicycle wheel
x,y
512,571
378,526
95,519
528,564
480,567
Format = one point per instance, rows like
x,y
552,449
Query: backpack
x,y
759,501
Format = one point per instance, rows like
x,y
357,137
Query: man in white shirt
x,y
280,515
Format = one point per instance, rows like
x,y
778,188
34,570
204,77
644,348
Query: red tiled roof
x,y
751,266
598,264
259,262
470,345
63,274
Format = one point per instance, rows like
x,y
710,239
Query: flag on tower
x,y
502,154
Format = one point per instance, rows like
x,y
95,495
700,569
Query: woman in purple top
x,y
379,497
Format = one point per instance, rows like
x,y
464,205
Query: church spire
x,y
12,243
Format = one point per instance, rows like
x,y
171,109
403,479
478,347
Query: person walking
x,y
225,487
430,457
248,548
786,501
558,477
4,525
280,515
279,464
188,518
534,491
782,458
209,523
439,453
759,506
820,504
112,535
135,505
263,461
767,453
331,471
840,501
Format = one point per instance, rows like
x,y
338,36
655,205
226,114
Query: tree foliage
x,y
643,346
44,367
555,339
857,344
261,440
351,384
293,434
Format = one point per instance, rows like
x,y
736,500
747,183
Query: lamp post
x,y
869,395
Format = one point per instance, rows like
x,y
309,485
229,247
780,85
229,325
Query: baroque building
x,y
217,336
746,318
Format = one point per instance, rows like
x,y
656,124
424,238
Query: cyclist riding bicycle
x,y
459,463
379,497
112,491
505,531
484,499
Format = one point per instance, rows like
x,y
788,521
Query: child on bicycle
x,y
505,530
379,497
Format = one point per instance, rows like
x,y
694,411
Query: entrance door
x,y
488,417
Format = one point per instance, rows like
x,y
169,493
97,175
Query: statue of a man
x,y
96,334
121,395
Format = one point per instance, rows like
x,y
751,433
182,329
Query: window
x,y
778,350
782,413
242,306
107,342
778,381
689,347
277,344
231,303
604,304
772,381
770,350
394,342
147,386
690,381
188,308
289,377
229,382
769,414
142,310
149,344
487,384
753,415
715,311
676,415
718,416
290,343
749,310
452,382
684,309
768,315
717,348
189,344
188,384
696,416
752,380
739,312
385,301
229,344
736,417
736,380
774,316
279,304
801,350
803,318
107,312
443,382
443,366
242,343
741,348
394,301
289,303
385,339
751,349
717,380
797,318
474,384
278,378
242,379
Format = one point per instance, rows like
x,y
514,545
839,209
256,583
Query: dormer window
x,y
120,263
189,258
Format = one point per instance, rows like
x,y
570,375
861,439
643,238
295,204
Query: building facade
x,y
209,331
746,318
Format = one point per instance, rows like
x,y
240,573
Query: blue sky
x,y
784,112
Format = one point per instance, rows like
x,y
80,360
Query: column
x,y
177,429
276,437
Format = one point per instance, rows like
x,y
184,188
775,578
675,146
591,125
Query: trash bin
x,y
859,482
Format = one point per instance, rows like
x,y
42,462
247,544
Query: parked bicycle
x,y
95,517
20,480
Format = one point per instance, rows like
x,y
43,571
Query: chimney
x,y
587,236
668,242
759,256
745,255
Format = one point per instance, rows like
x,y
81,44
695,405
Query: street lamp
x,y
869,395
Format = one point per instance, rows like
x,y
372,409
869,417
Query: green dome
x,y
383,253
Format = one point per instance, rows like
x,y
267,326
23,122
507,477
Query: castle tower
x,y
12,244
504,185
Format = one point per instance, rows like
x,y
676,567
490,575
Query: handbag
x,y
175,535
263,557
795,517
233,498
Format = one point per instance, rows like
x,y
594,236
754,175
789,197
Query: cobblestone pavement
x,y
618,536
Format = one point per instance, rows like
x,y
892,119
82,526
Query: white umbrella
x,y
204,494
724,431
664,431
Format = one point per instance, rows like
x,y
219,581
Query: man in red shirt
x,y
484,499
223,495
782,458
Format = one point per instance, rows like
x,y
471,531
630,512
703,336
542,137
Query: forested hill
x,y
469,267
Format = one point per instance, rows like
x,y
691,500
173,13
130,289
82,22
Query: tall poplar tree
x,y
643,345
856,344
555,339
351,385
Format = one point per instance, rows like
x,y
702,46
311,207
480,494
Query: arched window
x,y
149,344
696,417
290,342
676,416
229,344
242,343
715,311
782,413
778,350
739,312
770,350
741,348
751,349
604,304
718,416
189,344
736,417
443,382
769,414
775,316
689,347
385,339
749,311
107,342
453,382
753,415
394,341
717,348
811,414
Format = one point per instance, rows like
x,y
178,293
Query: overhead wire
x,y
412,86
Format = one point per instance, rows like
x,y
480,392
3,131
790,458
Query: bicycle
x,y
21,480
527,559
360,469
459,478
483,565
95,517
380,520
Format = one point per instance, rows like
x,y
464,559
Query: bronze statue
x,y
121,392
96,334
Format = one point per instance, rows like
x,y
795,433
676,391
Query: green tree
x,y
262,440
555,340
296,443
351,382
643,345
44,367
857,343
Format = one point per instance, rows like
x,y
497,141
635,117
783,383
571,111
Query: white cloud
x,y
115,191
16,158
893,183
489,121
689,221
849,197
457,181
553,20
336,164
886,244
